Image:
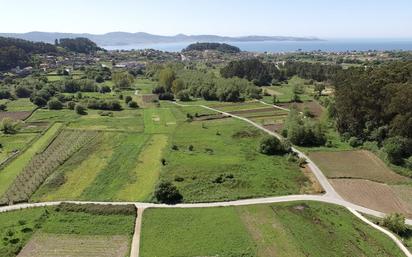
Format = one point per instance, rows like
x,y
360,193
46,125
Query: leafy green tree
x,y
128,99
80,109
177,86
168,193
166,78
122,80
133,104
271,145
54,104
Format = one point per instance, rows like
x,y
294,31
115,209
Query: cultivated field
x,y
290,229
52,245
355,164
373,195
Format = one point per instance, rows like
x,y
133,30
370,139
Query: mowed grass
x,y
355,164
284,93
126,120
159,120
284,229
19,105
98,171
147,172
194,232
313,229
10,172
145,86
12,143
225,164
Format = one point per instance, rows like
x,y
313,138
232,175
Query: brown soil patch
x,y
404,192
373,195
15,115
314,107
52,245
355,164
149,98
259,110
206,117
278,127
313,187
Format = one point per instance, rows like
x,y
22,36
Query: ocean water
x,y
331,45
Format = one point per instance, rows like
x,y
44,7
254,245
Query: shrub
x,y
271,145
54,104
71,105
105,89
166,96
8,126
395,222
133,104
167,193
175,147
80,109
22,92
190,148
183,96
128,99
3,107
106,113
397,148
354,142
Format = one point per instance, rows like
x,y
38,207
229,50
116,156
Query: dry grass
x,y
314,187
15,115
373,195
314,107
52,245
355,164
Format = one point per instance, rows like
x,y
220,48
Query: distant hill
x,y
125,38
17,52
224,48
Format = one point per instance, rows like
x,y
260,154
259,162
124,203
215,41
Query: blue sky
x,y
321,18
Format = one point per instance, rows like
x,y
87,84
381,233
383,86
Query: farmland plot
x,y
45,162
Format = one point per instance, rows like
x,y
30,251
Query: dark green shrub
x,y
167,193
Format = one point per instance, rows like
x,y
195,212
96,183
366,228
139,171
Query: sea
x,y
328,45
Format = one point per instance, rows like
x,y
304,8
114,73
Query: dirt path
x,y
135,248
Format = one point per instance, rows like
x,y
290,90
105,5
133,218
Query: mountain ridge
x,y
119,38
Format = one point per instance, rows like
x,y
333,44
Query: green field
x,y
17,227
11,143
284,93
159,120
10,172
98,171
18,105
225,164
285,230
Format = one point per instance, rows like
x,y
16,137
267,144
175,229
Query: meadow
x,y
287,229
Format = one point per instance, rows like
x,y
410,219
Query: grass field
x,y
225,164
61,232
194,232
97,172
285,230
18,105
159,120
355,164
145,86
12,143
10,172
147,171
284,93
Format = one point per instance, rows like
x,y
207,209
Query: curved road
x,y
330,196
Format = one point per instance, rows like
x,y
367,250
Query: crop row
x,y
45,163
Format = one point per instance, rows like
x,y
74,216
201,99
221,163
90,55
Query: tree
x,y
183,95
128,99
105,89
122,80
8,126
271,145
39,101
22,91
168,193
80,109
395,222
133,104
166,78
397,148
54,104
177,86
71,105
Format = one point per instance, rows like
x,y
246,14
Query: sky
x,y
318,18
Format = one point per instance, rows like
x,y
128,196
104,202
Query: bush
x,y
397,148
395,222
105,89
3,107
80,109
167,193
54,104
133,104
107,105
166,96
354,142
408,162
128,99
106,113
22,92
71,105
183,96
271,145
8,126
